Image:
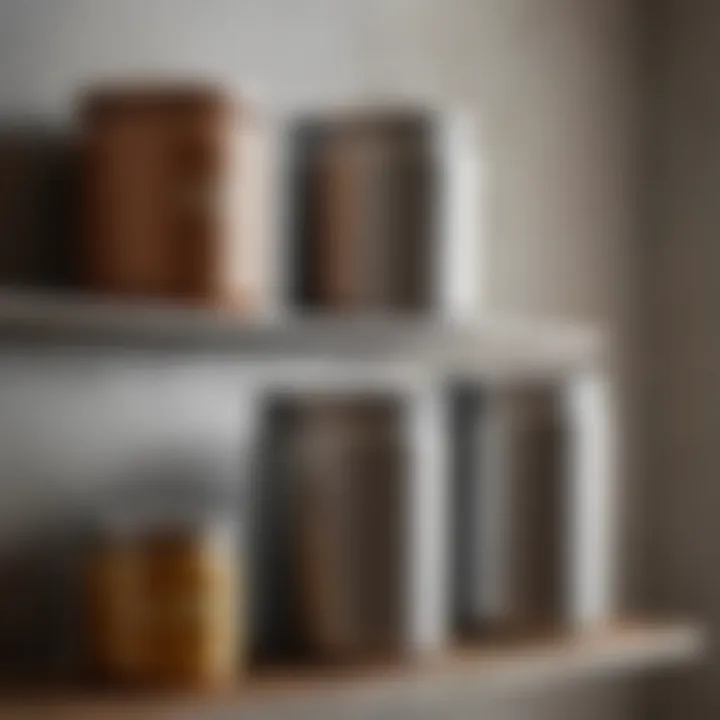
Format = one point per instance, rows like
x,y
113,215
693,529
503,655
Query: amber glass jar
x,y
165,588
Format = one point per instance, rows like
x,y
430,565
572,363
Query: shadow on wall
x,y
38,218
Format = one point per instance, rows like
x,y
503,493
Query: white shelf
x,y
488,346
465,674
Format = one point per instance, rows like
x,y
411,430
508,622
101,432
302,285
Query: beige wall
x,y
550,81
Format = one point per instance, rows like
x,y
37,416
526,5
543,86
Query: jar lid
x,y
179,491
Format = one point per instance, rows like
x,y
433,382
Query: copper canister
x,y
168,185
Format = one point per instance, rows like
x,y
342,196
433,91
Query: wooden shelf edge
x,y
486,669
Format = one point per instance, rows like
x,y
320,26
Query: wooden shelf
x,y
463,672
487,345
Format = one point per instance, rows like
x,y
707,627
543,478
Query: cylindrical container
x,y
332,572
383,208
166,607
509,488
170,197
165,600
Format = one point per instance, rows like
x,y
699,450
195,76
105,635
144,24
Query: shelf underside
x,y
483,345
468,672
